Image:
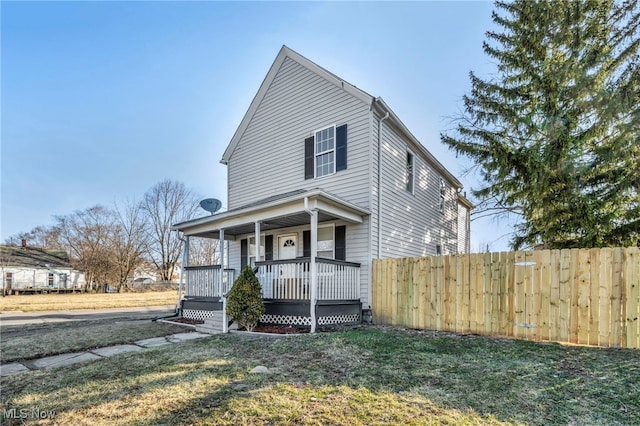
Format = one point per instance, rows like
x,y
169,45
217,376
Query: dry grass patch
x,y
63,302
365,376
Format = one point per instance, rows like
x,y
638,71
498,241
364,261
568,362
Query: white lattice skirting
x,y
339,319
197,314
285,319
300,320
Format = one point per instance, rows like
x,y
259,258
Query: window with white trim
x,y
325,151
326,241
409,173
51,280
252,250
443,192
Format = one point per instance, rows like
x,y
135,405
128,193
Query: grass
x,y
58,302
35,341
358,377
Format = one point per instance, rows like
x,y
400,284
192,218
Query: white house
x,y
32,269
326,177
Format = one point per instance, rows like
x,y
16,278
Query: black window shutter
x,y
306,243
244,252
341,147
341,243
268,247
308,158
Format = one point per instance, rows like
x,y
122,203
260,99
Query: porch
x,y
286,291
297,244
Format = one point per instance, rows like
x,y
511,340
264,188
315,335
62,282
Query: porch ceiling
x,y
274,213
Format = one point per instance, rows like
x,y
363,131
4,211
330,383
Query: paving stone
x,y
153,342
180,337
63,360
115,350
12,369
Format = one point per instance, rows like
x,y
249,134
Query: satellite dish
x,y
211,205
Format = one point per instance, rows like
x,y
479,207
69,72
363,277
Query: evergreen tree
x,y
244,303
555,134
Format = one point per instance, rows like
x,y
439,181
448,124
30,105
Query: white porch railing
x,y
290,279
204,281
338,280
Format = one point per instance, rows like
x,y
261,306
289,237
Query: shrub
x,y
244,303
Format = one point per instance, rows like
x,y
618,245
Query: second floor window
x,y
443,192
409,173
325,151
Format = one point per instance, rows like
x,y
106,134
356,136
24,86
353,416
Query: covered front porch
x,y
300,260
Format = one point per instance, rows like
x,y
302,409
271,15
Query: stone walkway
x,y
93,354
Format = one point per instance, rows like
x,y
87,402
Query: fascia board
x,y
465,201
241,219
277,208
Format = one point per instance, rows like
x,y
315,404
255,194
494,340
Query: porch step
x,y
213,325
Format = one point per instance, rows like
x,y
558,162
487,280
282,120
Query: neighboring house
x,y
144,274
32,269
326,177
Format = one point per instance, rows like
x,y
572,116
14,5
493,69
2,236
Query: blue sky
x,y
101,100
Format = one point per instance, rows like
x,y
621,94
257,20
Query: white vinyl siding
x,y
412,225
269,158
463,237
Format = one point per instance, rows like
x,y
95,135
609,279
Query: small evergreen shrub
x,y
244,303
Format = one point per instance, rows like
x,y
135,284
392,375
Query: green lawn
x,y
359,377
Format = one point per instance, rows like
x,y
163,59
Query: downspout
x,y
386,116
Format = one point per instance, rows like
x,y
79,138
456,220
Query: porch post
x,y
185,262
312,267
221,291
257,237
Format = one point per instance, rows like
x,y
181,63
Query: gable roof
x,y
32,257
376,104
284,53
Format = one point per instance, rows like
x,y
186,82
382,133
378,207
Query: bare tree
x,y
88,236
40,236
203,251
165,204
127,241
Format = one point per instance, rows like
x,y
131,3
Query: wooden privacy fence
x,y
584,296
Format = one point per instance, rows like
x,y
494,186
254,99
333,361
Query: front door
x,y
289,280
287,247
